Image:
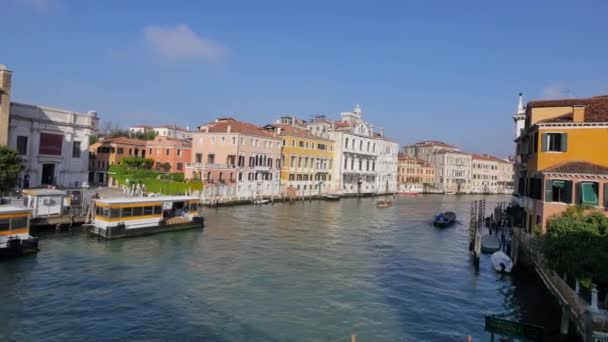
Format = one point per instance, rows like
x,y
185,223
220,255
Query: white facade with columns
x,y
63,157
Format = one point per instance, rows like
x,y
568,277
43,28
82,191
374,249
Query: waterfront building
x,y
307,159
52,142
171,131
111,151
425,150
452,171
176,152
365,161
561,158
414,171
506,176
237,160
484,174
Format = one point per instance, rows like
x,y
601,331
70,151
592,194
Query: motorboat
x,y
15,238
331,197
445,219
501,262
384,203
261,201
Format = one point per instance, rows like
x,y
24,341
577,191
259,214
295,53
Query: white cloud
x,y
556,91
181,43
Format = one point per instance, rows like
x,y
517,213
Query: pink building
x,y
237,160
176,152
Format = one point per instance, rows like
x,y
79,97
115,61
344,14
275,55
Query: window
x,y
199,157
223,140
158,209
148,211
606,195
50,144
588,193
4,224
240,176
233,140
554,142
211,158
22,145
180,166
346,143
137,211
115,212
301,144
167,152
76,149
127,212
558,191
179,153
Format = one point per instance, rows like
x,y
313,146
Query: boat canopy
x,y
143,200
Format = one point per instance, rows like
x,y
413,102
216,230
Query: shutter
x,y
564,141
579,191
606,195
549,190
543,142
568,192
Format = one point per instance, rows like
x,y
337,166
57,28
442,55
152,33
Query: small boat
x,y
451,193
15,239
411,189
133,216
384,204
501,262
261,201
331,197
444,219
489,243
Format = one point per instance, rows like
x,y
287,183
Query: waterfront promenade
x,y
309,271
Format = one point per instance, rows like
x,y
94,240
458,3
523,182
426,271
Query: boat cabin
x,y
14,223
45,202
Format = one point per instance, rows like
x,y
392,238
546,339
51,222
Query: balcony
x,y
261,168
210,166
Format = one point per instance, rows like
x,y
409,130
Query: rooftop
x,y
124,141
432,143
289,130
596,109
489,158
577,167
120,200
229,125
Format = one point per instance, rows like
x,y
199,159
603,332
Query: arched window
x,y
346,143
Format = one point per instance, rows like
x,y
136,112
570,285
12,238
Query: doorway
x,y
48,173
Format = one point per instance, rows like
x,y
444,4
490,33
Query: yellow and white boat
x,y
132,216
15,239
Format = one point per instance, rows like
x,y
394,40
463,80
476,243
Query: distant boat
x,y
384,203
261,201
411,189
451,193
501,262
445,219
331,197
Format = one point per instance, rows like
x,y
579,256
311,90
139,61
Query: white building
x,y
364,162
452,171
53,142
171,131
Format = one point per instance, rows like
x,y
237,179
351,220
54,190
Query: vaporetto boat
x,y
132,216
15,239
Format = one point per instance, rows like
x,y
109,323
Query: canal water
x,y
312,271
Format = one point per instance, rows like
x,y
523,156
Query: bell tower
x,y
520,117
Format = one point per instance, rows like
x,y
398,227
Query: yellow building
x,y
307,160
108,152
562,158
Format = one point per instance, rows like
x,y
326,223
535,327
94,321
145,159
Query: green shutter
x,y
549,190
568,197
588,195
543,142
564,141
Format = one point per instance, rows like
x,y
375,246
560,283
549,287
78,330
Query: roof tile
x,y
577,167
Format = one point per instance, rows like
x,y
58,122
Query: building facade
x,y
388,164
425,150
176,153
5,102
452,171
415,171
237,160
108,152
171,131
561,158
307,160
484,174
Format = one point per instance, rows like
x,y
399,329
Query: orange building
x,y
111,151
176,152
562,158
415,171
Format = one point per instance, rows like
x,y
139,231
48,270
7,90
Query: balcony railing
x,y
210,166
261,168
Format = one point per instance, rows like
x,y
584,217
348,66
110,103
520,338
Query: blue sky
x,y
444,70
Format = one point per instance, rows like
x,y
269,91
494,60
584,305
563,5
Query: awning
x,y
589,195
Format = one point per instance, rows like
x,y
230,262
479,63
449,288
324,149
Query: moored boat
x,y
501,262
261,201
445,219
328,197
132,216
411,189
489,243
15,239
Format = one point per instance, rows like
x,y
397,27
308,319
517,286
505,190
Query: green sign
x,y
505,327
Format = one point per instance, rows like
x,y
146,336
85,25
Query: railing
x,y
261,168
210,166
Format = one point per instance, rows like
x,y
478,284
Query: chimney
x,y
578,113
278,130
382,132
5,103
228,129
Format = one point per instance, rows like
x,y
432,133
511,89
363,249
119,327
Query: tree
x,y
11,166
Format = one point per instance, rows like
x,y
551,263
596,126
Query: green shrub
x,y
154,181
